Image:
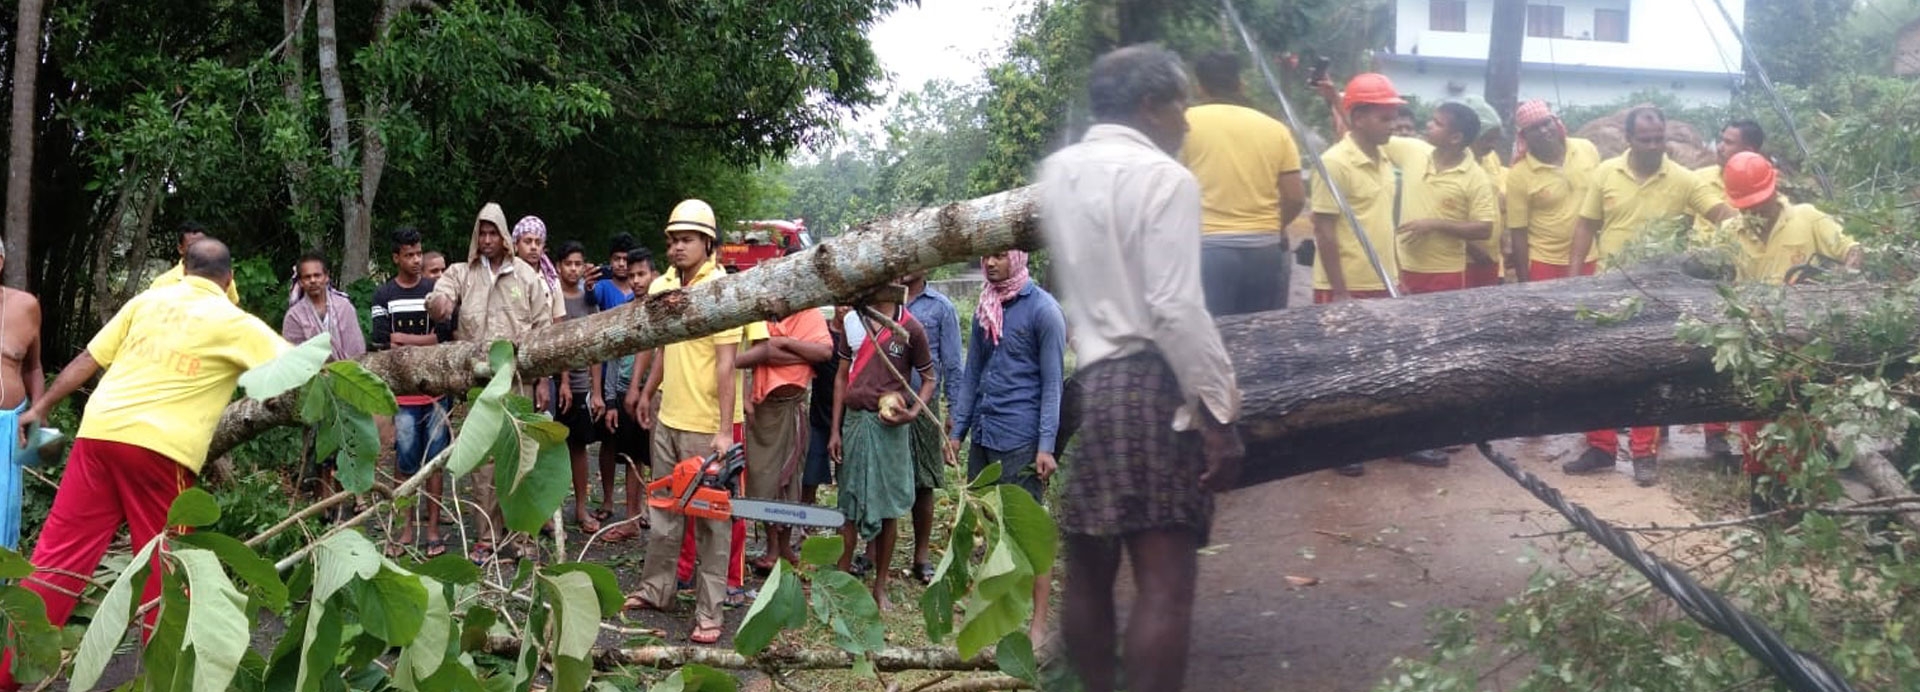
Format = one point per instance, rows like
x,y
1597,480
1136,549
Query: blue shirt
x,y
1010,396
614,374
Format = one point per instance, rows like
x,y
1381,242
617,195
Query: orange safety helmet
x,y
1371,88
1750,180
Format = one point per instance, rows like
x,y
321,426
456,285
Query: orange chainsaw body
x,y
693,490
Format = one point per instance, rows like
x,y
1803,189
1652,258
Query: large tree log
x,y
838,269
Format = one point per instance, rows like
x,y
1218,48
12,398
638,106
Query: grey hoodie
x,y
494,302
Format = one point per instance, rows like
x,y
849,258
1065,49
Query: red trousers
x,y
1541,271
736,545
1423,282
1758,459
107,484
1641,442
1323,296
1483,275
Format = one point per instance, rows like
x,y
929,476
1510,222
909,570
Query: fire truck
x,y
754,242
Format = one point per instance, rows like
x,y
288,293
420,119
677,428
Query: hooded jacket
x,y
503,301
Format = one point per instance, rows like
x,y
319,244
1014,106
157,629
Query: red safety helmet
x,y
1371,88
1750,180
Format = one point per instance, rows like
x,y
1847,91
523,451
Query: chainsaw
x,y
709,488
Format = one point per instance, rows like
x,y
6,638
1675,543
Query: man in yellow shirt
x,y
698,392
172,357
1738,136
1447,202
190,232
1366,177
1486,258
1629,193
1250,189
1548,181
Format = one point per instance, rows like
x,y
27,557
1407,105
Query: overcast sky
x,y
940,39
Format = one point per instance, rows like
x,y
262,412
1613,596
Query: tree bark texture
x,y
339,145
837,269
293,87
1503,58
22,129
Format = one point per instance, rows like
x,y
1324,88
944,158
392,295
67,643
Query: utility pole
x,y
1508,34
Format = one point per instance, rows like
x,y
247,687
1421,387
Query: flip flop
x,y
926,572
705,633
588,524
481,553
436,548
395,550
602,514
620,534
739,598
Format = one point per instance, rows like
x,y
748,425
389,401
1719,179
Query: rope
x,y
1802,672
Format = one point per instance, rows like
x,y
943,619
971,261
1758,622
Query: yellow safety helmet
x,y
692,215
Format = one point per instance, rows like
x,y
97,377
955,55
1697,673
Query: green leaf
x,y
360,389
14,565
316,402
545,432
34,642
428,652
1024,546
577,616
449,568
217,625
163,657
951,578
822,551
530,501
696,678
845,606
340,559
988,477
290,369
781,605
320,645
359,448
474,627
262,579
193,507
1032,530
500,358
1014,654
605,585
474,442
391,605
109,624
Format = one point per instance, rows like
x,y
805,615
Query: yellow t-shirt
x,y
1626,206
1460,193
689,396
1238,154
178,272
173,355
1709,176
1496,174
1802,233
1368,187
1545,199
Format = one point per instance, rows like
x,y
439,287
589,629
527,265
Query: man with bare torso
x,y
20,381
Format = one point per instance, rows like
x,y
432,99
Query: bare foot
x,y
880,597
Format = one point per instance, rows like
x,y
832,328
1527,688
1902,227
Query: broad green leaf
x,y
1033,532
326,438
193,507
429,650
605,585
359,448
781,605
34,642
449,568
391,605
822,551
360,389
987,621
474,443
577,616
545,432
500,358
316,402
217,625
845,606
696,678
988,477
109,624
14,565
262,579
1014,654
340,559
479,619
290,369
530,502
320,645
951,578
163,655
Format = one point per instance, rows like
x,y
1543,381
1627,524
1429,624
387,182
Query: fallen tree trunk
x,y
888,660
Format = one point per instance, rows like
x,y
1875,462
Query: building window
x,y
1447,15
1610,25
1546,21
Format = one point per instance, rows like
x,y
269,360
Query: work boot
x,y
1430,458
1352,470
1591,461
1646,471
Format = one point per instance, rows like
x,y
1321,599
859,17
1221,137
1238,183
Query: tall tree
x,y
22,128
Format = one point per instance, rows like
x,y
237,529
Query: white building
x,y
1577,52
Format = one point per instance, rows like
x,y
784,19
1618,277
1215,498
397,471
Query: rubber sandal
x,y
603,514
436,548
739,598
620,533
481,553
588,524
395,550
708,633
926,572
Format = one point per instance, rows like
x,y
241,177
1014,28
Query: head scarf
x,y
1528,115
533,226
993,296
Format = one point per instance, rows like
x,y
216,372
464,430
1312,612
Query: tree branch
x,y
888,660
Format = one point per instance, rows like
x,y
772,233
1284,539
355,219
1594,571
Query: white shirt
x,y
1122,222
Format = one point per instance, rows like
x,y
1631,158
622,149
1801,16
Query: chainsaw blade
x,y
788,513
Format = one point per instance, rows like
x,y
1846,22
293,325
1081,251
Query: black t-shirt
x,y
397,309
